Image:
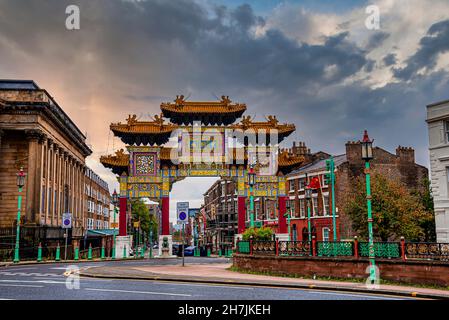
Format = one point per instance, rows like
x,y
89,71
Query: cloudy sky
x,y
312,63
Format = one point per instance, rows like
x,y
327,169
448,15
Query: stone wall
x,y
13,155
416,272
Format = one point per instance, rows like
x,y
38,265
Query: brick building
x,y
220,209
348,167
98,201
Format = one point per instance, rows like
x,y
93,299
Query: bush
x,y
264,233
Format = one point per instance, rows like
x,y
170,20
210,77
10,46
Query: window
x,y
90,223
315,206
292,185
326,206
446,130
302,209
326,234
302,184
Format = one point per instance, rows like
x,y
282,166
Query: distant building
x,y
348,166
220,209
438,128
98,200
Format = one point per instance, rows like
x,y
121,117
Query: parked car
x,y
189,251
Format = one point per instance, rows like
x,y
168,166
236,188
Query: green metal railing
x,y
381,249
335,249
243,247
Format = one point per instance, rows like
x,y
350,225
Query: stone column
x,y
33,172
165,220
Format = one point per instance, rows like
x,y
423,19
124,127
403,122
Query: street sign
x,y
114,225
182,210
66,221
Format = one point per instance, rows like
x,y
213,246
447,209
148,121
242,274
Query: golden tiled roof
x,y
121,159
286,159
270,124
180,105
143,127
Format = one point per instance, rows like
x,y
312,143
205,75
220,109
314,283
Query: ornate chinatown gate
x,y
205,141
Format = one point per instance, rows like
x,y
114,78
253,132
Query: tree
x,y
428,223
396,211
140,212
264,233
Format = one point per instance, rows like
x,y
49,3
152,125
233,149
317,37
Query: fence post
x,y
403,248
237,246
39,253
89,252
356,247
313,246
58,253
77,252
277,246
251,245
124,252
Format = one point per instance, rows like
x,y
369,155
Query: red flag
x,y
314,183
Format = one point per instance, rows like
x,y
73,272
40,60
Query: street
x,y
48,282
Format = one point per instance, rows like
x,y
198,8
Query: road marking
x,y
30,274
143,292
202,285
38,281
20,285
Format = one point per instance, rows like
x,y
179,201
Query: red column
x,y
165,216
241,202
122,216
282,220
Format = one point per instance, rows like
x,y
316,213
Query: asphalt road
x,y
48,282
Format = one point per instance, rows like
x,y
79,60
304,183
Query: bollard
x,y
102,253
58,253
124,252
142,252
356,247
39,253
137,253
77,253
219,252
89,252
151,252
208,252
113,252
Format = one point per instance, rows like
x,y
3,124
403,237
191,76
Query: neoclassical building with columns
x,y
36,134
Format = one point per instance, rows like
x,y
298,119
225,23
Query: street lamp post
x,y
308,197
151,238
367,155
251,182
288,214
20,183
114,202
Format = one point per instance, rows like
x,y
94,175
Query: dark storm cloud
x,y
150,50
376,40
389,59
432,45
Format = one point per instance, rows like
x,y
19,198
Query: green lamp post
x,y
114,202
151,239
367,155
288,215
20,183
251,182
308,198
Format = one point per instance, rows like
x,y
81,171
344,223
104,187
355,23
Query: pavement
x,y
218,273
55,281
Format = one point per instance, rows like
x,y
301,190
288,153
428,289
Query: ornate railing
x,y
243,247
334,249
295,248
264,247
428,251
381,249
352,249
